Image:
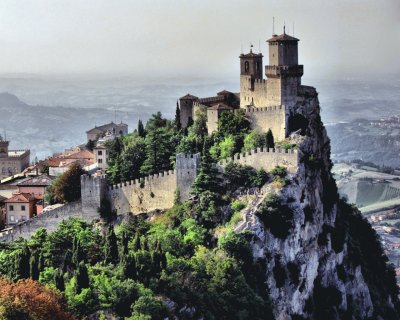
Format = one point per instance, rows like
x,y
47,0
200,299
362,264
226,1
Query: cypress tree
x,y
34,266
67,261
81,277
270,139
140,130
59,280
22,265
136,242
77,252
178,124
111,247
207,179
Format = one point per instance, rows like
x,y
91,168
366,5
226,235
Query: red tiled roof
x,y
282,37
20,197
43,180
83,154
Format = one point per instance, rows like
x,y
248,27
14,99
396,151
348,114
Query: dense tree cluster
x,y
152,148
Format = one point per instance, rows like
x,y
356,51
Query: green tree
x,y
270,139
141,131
132,157
111,247
207,178
67,188
159,146
177,122
22,265
78,254
34,265
59,280
81,277
90,145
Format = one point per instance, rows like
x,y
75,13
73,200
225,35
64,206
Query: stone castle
x,y
268,103
273,103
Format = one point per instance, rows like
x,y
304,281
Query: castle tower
x,y
283,72
3,147
186,107
251,65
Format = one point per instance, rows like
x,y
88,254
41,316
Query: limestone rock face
x,y
306,259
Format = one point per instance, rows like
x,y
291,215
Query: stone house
x,y
36,186
20,207
117,129
12,161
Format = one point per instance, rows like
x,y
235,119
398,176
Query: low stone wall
x,y
48,220
153,192
266,159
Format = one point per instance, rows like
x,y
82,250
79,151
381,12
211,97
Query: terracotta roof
x,y
83,154
220,106
282,37
43,180
188,97
20,197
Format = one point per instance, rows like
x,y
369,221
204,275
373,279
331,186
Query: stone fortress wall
x,y
153,192
49,220
267,159
272,117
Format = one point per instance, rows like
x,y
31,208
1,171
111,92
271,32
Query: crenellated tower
x,y
283,72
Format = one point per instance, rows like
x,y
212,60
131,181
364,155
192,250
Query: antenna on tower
x,y
251,47
273,25
284,27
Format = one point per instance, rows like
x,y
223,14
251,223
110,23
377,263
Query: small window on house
x,y
22,208
100,160
11,208
100,152
12,218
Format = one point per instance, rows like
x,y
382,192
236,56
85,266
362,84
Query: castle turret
x,y
3,147
283,72
251,65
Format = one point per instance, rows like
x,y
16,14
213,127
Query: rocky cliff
x,y
323,260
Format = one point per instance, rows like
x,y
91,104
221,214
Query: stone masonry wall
x,y
154,192
273,118
266,159
48,220
93,189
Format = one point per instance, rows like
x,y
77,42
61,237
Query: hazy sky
x,y
194,37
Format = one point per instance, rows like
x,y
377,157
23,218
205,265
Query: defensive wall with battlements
x,y
156,191
266,158
272,117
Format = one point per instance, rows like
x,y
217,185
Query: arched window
x,y
246,66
